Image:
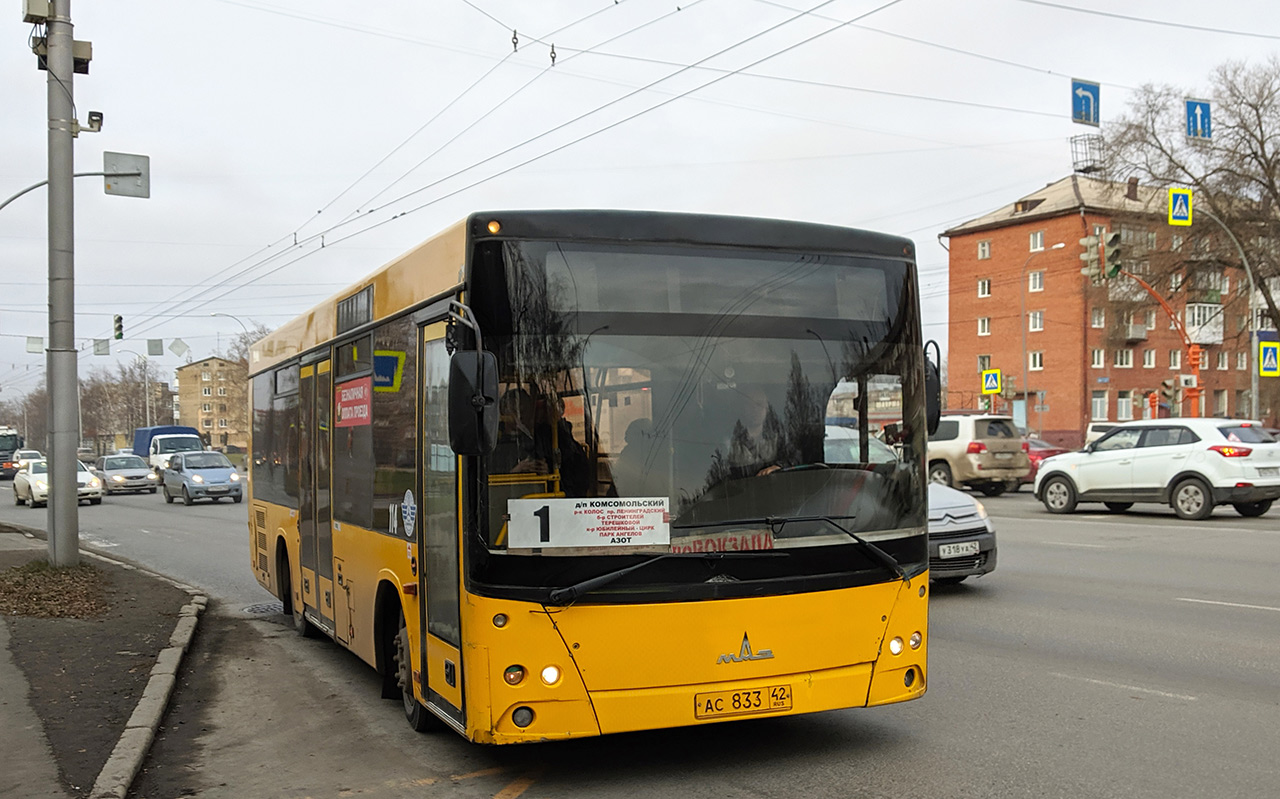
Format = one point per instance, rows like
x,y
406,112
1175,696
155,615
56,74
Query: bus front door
x,y
314,508
438,537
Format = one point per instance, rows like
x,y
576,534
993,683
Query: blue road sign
x,y
1269,358
1084,101
991,381
1198,124
1180,207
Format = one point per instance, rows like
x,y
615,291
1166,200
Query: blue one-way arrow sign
x,y
1084,101
1198,123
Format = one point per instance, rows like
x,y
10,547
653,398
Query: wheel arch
x,y
1049,475
282,573
1166,496
386,619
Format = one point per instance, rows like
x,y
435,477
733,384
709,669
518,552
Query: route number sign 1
x,y
583,522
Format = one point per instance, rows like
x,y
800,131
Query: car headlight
x,y
982,509
117,478
42,485
195,478
94,482
235,478
151,475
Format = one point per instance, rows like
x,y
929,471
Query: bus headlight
x,y
895,646
514,675
915,640
551,675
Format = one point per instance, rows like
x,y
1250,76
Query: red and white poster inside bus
x,y
351,402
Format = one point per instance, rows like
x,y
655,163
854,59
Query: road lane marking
x,y
1137,688
517,787
484,772
1075,544
1226,604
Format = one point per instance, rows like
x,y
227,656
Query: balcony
x,y
1204,323
1132,332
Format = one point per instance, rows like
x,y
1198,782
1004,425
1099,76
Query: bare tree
x,y
1235,174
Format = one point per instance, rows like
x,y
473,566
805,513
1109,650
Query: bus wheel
x,y
419,717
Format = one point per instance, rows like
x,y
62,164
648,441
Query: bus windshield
x,y
758,400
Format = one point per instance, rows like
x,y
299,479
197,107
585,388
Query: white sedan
x,y
31,484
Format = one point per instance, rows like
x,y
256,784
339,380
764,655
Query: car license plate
x,y
1269,471
958,550
1004,456
217,489
721,704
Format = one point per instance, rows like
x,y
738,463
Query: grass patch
x,y
43,591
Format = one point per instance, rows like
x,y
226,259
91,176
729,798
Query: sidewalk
x,y
80,697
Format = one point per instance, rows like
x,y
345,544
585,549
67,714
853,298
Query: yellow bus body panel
x,y
638,667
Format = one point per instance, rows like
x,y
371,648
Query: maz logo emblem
x,y
745,653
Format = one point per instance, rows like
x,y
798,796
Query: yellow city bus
x,y
567,473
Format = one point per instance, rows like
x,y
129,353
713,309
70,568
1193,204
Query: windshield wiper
x,y
879,554
566,595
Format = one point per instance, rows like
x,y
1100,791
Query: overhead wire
x,y
1149,21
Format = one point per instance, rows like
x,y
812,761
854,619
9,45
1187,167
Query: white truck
x,y
156,444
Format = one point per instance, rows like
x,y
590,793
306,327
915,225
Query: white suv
x,y
1190,464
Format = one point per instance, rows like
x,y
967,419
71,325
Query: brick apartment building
x,y
1071,352
212,399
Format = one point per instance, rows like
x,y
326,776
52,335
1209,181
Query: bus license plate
x,y
958,550
720,704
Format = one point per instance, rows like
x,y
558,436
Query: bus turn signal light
x,y
514,675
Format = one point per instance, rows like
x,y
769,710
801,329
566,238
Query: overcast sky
x,y
268,122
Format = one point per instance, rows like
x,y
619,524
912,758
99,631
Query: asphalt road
x,y
1109,655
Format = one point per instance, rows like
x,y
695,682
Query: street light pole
x,y
229,316
1026,387
146,380
1253,319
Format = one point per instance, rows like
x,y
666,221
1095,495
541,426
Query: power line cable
x,y
1148,21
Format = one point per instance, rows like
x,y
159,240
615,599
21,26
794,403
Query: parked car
x,y
1037,450
844,445
201,475
1192,465
1097,430
122,473
23,456
31,484
977,450
962,540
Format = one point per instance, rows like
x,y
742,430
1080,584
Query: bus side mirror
x,y
473,402
932,396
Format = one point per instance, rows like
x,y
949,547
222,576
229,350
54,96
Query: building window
x,y
206,407
1035,321
222,391
1226,284
204,376
1151,239
222,423
1126,318
1242,361
1037,241
1035,281
206,391
1242,407
1149,359
1037,361
1175,359
1220,402
222,407
984,325
221,376
207,424
1099,359
1124,406
984,363
984,287
1099,406
1175,242
1124,359
1223,359
1098,317
1175,281
1204,360
1100,231
1151,320
984,250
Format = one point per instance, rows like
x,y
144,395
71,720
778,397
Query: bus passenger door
x,y
334,605
315,531
438,536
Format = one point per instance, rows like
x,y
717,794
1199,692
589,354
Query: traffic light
x,y
1112,246
119,327
1169,389
1091,268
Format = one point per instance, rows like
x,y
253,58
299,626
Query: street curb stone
x,y
116,776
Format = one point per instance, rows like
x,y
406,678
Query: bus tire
x,y
419,718
284,579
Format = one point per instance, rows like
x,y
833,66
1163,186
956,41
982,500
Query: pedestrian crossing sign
x,y
1269,358
1180,207
991,383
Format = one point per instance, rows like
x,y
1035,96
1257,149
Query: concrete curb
x,y
116,776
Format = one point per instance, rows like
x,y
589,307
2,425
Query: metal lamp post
x,y
1253,318
146,380
1026,387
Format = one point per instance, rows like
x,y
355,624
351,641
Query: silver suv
x,y
977,450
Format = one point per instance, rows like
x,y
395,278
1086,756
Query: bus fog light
x,y
909,679
514,675
500,620
494,227
895,646
522,716
915,640
551,675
